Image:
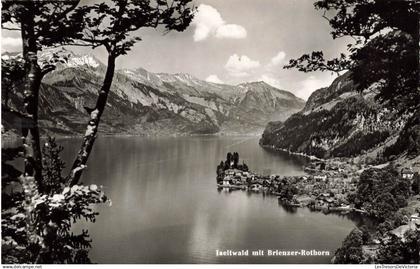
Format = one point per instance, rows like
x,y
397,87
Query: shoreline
x,y
288,203
343,210
13,139
310,157
322,190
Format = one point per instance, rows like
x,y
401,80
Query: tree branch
x,y
46,69
64,12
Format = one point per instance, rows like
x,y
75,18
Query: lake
x,y
166,207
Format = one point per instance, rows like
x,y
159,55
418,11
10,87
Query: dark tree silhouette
x,y
229,159
52,167
381,192
245,167
351,250
235,159
41,23
220,168
12,70
400,251
109,25
385,51
38,230
415,186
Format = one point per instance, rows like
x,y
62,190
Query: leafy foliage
x,y
316,62
53,214
232,162
390,61
381,192
12,71
41,24
351,250
385,48
54,22
38,215
287,190
54,182
109,24
395,250
415,187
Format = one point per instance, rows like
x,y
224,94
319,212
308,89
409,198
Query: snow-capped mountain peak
x,y
68,58
87,60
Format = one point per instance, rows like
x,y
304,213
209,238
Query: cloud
x,y
271,81
11,43
240,66
231,31
278,59
209,22
214,79
206,21
309,85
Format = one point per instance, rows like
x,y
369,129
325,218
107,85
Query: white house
x,y
407,173
414,221
226,181
320,177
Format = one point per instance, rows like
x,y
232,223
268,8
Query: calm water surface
x,y
166,207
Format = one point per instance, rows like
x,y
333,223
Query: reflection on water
x,y
167,209
288,208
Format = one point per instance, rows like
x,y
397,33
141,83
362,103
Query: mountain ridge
x,y
337,121
146,103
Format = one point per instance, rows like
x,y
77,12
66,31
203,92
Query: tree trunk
x,y
417,40
30,131
93,124
32,178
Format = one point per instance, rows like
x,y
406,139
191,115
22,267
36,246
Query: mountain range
x,y
338,121
146,103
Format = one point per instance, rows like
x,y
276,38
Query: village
x,y
324,187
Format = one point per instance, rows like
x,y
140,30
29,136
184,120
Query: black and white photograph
x,y
233,132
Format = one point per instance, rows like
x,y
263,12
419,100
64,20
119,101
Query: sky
x,y
232,42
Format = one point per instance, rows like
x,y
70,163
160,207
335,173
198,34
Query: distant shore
x,y
310,157
11,139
